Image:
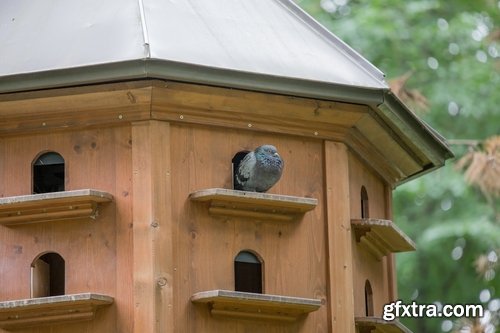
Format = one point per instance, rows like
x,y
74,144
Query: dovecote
x,y
117,206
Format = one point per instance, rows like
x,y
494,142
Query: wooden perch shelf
x,y
381,237
263,206
378,325
255,306
52,206
35,312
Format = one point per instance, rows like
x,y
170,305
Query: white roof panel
x,y
46,35
264,37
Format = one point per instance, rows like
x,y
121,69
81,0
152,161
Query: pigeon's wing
x,y
245,168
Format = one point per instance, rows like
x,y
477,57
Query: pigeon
x,y
259,170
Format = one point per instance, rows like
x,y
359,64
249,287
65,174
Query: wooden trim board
x,y
52,206
381,237
339,241
153,260
256,306
256,205
35,312
378,325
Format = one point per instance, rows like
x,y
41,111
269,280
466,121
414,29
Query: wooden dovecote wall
x,y
152,235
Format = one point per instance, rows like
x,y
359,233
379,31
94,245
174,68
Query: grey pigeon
x,y
259,170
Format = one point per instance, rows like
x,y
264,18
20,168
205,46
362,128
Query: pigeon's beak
x,y
276,154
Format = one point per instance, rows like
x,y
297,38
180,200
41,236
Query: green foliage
x,y
452,50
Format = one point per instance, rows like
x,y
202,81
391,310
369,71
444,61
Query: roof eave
x,y
192,73
417,132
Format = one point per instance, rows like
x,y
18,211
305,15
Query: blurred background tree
x,y
442,58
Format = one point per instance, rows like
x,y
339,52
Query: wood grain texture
x,y
372,157
47,207
378,325
233,108
123,194
74,107
395,151
384,234
366,266
237,104
391,258
153,261
37,312
293,253
340,258
257,307
260,206
95,158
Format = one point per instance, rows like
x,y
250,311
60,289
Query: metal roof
x,y
262,37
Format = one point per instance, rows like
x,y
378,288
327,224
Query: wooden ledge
x,y
381,237
378,325
52,206
255,306
35,312
256,205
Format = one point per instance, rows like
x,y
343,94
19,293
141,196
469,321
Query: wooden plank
x,y
373,158
391,280
390,237
162,224
64,301
79,314
340,259
177,102
300,303
124,292
251,122
52,206
144,286
262,206
153,257
175,96
391,147
69,91
46,199
368,245
63,108
34,312
256,306
300,204
379,325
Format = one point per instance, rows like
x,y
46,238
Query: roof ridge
x,y
144,27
